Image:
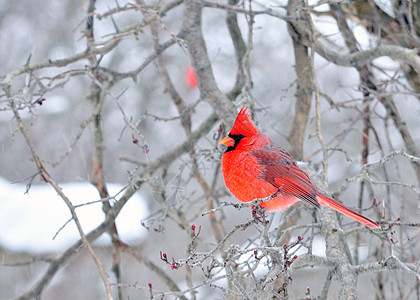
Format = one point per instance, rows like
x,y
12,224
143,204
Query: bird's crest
x,y
243,124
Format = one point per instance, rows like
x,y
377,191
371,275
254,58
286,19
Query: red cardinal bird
x,y
190,78
255,168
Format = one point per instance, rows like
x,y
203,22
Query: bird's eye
x,y
237,138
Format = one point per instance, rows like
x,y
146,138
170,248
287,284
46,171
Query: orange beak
x,y
227,141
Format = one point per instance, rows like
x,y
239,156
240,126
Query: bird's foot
x,y
258,213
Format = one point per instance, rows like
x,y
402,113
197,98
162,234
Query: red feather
x,y
243,124
255,168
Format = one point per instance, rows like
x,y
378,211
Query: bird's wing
x,y
282,172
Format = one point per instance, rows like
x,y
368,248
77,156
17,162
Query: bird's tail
x,y
334,204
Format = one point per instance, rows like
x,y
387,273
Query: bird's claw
x,y
258,213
